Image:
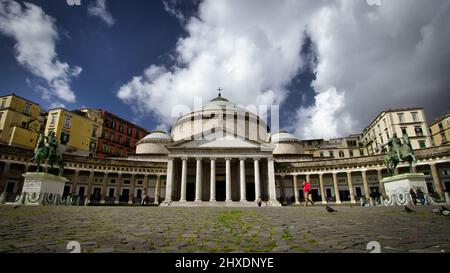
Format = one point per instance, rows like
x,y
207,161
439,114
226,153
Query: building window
x,y
53,119
127,182
321,154
444,138
121,128
27,109
129,131
404,131
94,131
414,116
64,138
1,115
351,153
341,154
139,182
119,152
67,122
401,117
384,122
441,126
3,103
361,152
331,154
422,144
119,139
418,131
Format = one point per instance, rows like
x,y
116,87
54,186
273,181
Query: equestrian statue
x,y
397,152
47,151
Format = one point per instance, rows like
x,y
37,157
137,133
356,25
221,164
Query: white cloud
x,y
98,8
369,58
35,34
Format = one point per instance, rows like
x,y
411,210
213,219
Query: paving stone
x,y
153,229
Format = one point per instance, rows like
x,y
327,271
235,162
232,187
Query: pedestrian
x,y
420,196
259,201
413,196
144,201
307,193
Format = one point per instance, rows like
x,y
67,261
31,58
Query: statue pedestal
x,y
402,183
36,184
397,187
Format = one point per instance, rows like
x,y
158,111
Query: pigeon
x,y
446,213
330,209
436,211
408,210
16,207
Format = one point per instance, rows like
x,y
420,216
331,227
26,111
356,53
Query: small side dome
x,y
155,136
286,144
153,143
283,136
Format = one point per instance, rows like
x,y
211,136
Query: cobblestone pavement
x,y
287,229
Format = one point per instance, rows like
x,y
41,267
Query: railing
x,y
41,198
400,199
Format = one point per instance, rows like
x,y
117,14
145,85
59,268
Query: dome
x,y
286,144
214,115
155,136
283,136
153,143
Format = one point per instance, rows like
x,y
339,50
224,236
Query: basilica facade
x,y
224,155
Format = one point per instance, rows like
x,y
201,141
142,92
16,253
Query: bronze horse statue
x,y
47,151
398,152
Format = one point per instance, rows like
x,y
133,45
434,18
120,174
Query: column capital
x,y
228,158
185,158
242,158
213,159
198,158
256,159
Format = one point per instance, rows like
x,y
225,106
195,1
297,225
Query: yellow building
x,y
20,121
77,131
409,121
440,130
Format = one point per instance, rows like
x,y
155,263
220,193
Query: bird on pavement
x,y
330,209
436,211
446,213
16,207
408,210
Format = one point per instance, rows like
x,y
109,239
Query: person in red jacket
x,y
307,193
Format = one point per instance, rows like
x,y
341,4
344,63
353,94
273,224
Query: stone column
x,y
158,189
336,188
4,176
297,200
104,187
350,187
242,179
380,177
271,178
89,188
169,181
436,180
119,188
132,187
145,185
198,181
322,189
308,178
257,179
75,178
212,180
228,179
366,185
183,179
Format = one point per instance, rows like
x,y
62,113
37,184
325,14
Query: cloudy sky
x,y
332,66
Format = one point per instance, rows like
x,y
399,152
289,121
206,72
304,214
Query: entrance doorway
x,y
125,195
96,196
190,192
10,187
220,191
250,191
